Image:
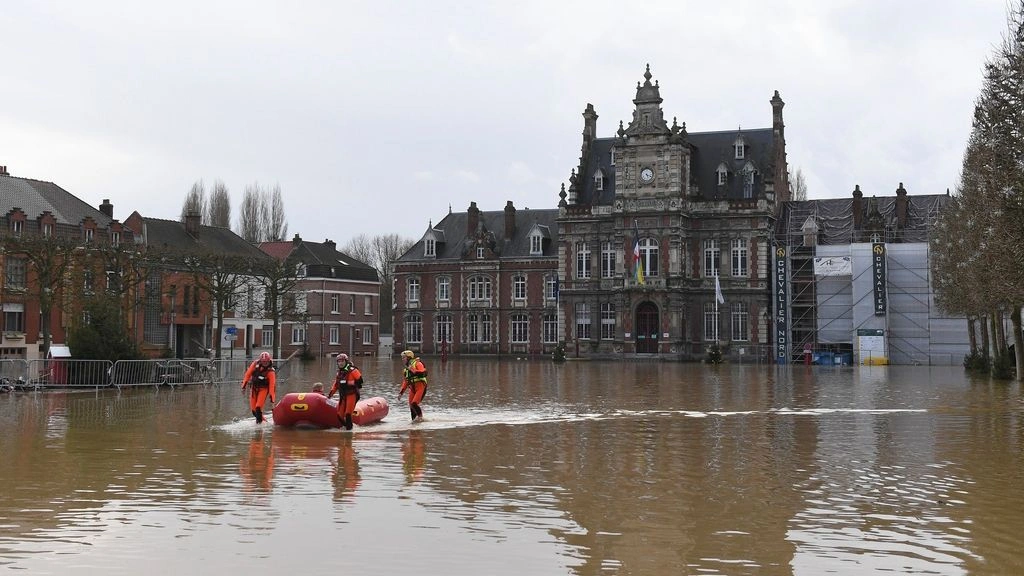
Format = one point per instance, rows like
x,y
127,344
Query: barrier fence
x,y
71,373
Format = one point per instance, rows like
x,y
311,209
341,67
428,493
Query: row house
x,y
334,302
654,218
177,302
50,237
480,282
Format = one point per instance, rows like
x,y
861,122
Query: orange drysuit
x,y
347,384
414,379
262,380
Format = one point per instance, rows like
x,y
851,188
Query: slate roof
x,y
171,234
707,151
322,260
453,243
35,197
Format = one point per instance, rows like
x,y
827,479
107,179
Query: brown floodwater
x,y
527,468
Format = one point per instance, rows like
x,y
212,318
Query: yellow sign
x,y
299,407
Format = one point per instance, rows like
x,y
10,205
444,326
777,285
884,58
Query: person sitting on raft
x,y
347,384
318,388
263,380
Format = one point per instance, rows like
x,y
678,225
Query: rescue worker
x,y
414,378
347,384
262,380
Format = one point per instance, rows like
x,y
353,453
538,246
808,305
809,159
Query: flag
x,y
718,292
638,265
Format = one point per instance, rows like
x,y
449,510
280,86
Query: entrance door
x,y
647,328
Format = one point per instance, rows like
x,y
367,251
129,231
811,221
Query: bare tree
x,y
49,258
221,277
261,217
218,210
381,252
278,278
799,185
195,201
278,225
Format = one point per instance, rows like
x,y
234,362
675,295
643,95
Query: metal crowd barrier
x,y
71,373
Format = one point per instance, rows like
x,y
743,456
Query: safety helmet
x,y
342,358
408,354
265,358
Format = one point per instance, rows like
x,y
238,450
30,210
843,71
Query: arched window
x,y
649,256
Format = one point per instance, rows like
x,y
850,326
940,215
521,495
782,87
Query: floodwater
x,y
528,468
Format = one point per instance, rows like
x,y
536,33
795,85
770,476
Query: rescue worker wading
x,y
347,384
414,378
262,380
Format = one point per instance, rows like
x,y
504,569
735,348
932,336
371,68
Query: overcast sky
x,y
376,117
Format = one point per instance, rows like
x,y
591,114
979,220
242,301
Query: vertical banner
x,y
781,297
878,277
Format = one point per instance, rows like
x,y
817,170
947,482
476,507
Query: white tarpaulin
x,y
833,266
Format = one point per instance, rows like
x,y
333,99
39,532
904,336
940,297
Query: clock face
x,y
647,174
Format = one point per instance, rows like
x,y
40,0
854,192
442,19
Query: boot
x,y
259,415
412,409
348,421
419,411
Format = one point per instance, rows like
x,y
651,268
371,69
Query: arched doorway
x,y
647,328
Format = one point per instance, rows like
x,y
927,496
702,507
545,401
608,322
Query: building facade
x,y
480,282
335,300
654,219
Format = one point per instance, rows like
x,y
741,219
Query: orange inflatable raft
x,y
313,410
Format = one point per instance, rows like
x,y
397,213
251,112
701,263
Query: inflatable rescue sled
x,y
314,410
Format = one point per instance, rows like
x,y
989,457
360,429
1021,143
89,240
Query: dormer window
x,y
300,270
47,230
479,252
536,244
16,227
612,157
89,234
430,248
646,120
738,148
598,180
723,174
115,238
748,180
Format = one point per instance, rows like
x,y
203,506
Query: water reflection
x,y
530,467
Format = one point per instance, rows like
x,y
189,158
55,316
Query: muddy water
x,y
525,467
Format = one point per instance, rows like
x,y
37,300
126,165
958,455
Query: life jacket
x,y
259,376
343,375
413,377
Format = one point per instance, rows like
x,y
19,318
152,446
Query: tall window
x,y
710,323
738,148
551,287
748,181
47,230
582,321
536,244
598,180
15,272
443,328
479,252
723,175
414,290
479,328
582,260
444,289
480,288
335,303
429,247
550,328
115,238
367,305
519,287
87,282
739,257
520,328
711,258
607,260
740,320
267,335
89,234
298,334
352,303
16,226
414,328
368,335
14,317
649,256
335,337
607,321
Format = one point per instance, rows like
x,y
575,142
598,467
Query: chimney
x,y
107,208
192,223
297,239
3,171
901,206
473,220
330,244
858,207
589,124
510,220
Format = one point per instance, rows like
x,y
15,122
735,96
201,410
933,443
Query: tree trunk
x,y
1000,329
985,349
1018,340
972,335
